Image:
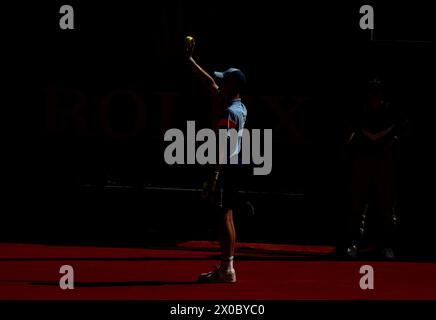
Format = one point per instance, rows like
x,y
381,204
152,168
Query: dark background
x,y
86,109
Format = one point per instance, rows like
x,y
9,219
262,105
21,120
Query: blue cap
x,y
232,74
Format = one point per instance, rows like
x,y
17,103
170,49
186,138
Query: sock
x,y
227,263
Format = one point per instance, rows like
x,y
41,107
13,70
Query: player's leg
x,y
228,232
224,200
387,199
225,272
360,184
228,240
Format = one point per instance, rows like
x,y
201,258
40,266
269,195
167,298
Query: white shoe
x,y
218,275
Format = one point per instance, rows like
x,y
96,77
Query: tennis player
x,y
222,186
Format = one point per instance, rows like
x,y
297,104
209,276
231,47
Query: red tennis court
x,y
265,272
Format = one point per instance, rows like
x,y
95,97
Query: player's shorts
x,y
227,188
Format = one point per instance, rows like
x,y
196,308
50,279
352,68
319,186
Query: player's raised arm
x,y
205,78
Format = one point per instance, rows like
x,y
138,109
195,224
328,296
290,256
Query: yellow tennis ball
x,y
189,40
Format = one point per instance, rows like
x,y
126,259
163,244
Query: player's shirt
x,y
234,117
